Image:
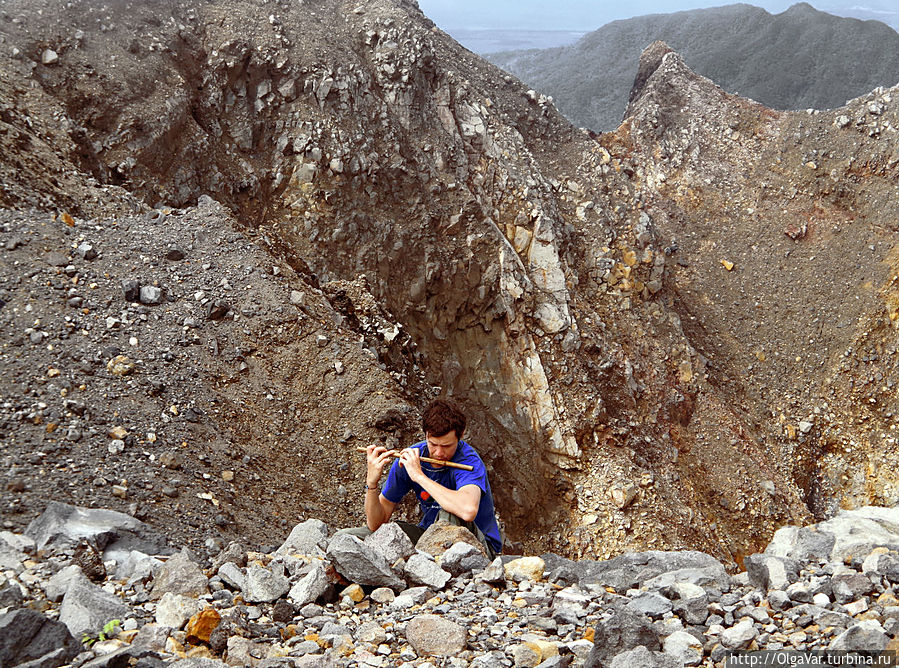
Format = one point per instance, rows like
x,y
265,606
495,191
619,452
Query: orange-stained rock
x,y
201,625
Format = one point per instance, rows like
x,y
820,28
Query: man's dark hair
x,y
443,416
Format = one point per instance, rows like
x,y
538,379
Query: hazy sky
x,y
586,15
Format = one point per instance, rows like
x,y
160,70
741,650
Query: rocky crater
x,y
238,239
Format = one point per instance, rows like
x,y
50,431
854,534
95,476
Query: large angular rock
x,y
309,537
312,585
640,657
856,533
441,536
18,542
115,533
740,635
180,575
13,551
463,558
55,588
422,570
173,610
26,635
232,575
802,543
152,636
86,608
359,563
690,602
865,635
650,604
710,577
391,542
495,573
769,572
10,592
850,586
137,567
235,552
264,586
432,635
622,632
684,648
632,570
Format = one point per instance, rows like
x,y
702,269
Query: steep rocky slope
x,y
351,213
799,59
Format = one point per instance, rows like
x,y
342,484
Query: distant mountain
x,y
798,59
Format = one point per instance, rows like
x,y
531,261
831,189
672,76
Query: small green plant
x,y
109,629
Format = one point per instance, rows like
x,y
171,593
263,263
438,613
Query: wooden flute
x,y
441,462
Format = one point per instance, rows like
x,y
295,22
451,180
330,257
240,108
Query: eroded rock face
x,y
451,233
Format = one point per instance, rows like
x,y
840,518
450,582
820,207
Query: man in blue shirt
x,y
455,495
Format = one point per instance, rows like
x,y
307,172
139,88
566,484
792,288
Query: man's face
x,y
442,447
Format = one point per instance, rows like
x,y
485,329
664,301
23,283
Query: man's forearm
x,y
375,514
462,503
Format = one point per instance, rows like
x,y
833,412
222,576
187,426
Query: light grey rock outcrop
x,y
309,537
112,532
312,585
180,575
86,607
421,569
391,542
359,563
264,586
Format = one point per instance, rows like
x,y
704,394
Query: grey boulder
x,y
180,575
115,533
309,537
770,572
865,635
463,558
640,657
359,563
622,632
312,585
391,542
28,636
420,569
264,586
86,608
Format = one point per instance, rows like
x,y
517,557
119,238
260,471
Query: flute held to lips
x,y
439,462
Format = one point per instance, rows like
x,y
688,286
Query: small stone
x,y
217,310
354,592
201,625
382,595
120,365
432,635
525,568
86,251
131,290
49,57
228,476
151,295
739,636
174,254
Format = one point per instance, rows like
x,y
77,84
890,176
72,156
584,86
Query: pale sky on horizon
x,y
586,15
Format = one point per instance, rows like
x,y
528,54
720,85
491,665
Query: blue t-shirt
x,y
399,483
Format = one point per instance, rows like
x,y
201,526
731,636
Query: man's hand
x,y
377,457
410,459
